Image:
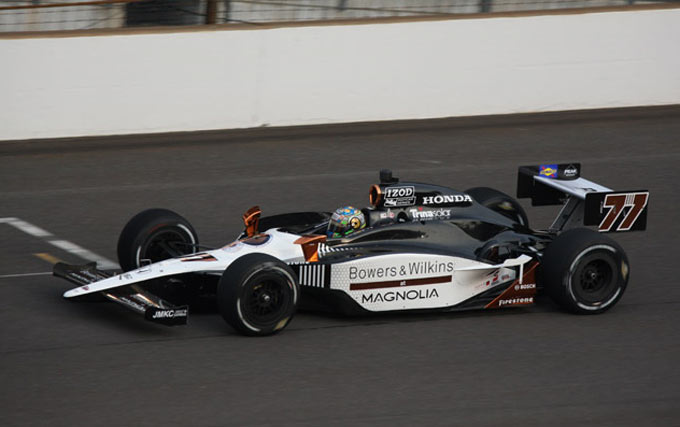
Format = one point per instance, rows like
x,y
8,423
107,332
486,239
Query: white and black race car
x,y
425,247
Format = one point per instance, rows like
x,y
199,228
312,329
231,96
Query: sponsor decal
x,y
421,215
548,171
169,314
518,293
516,301
389,214
411,268
494,278
447,199
400,196
85,288
570,171
404,295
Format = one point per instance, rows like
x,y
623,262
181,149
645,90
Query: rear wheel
x,y
155,234
258,295
584,271
500,202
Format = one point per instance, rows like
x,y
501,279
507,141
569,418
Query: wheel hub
x,y
265,298
595,276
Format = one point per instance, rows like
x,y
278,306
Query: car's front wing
x,y
132,297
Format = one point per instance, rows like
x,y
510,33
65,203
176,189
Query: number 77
x,y
616,203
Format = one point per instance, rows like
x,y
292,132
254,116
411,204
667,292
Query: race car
x,y
415,247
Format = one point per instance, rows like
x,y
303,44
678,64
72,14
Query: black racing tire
x,y
500,202
584,272
258,295
155,234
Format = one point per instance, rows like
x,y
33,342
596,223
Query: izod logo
x,y
399,192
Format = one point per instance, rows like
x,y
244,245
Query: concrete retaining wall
x,y
140,83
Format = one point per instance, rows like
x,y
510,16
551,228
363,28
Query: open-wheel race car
x,y
416,247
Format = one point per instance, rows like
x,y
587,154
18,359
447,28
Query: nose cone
x,y
77,291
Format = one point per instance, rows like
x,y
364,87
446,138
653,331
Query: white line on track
x,y
28,228
65,245
8,276
83,253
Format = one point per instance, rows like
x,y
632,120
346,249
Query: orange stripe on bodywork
x,y
310,246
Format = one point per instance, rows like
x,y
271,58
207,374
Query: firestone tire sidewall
x,y
608,255
236,292
565,264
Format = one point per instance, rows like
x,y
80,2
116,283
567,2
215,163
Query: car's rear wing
x,y
584,202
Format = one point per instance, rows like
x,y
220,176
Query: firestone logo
x,y
516,301
439,200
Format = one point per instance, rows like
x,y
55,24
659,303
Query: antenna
x,y
386,177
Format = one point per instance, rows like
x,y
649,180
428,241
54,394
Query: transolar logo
x,y
548,171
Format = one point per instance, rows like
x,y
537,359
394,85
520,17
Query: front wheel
x,y
258,295
584,271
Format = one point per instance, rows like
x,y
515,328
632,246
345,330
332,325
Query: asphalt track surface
x,y
66,363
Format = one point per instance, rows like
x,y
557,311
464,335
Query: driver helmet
x,y
345,221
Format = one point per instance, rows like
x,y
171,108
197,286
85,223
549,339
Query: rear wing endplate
x,y
584,202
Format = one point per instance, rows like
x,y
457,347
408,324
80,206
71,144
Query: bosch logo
x,y
525,286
